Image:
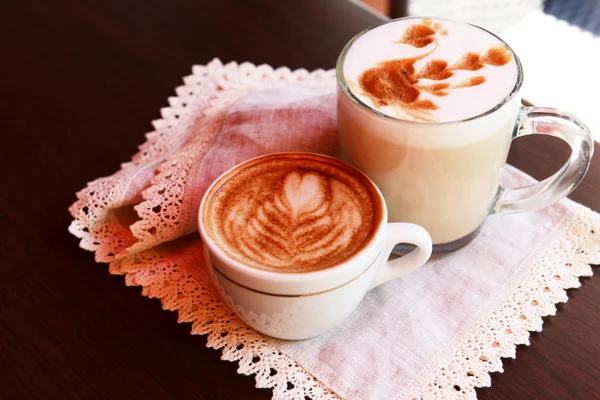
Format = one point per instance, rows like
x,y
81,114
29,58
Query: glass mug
x,y
445,176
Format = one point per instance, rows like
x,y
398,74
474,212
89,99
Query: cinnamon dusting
x,y
469,62
295,213
396,83
475,81
436,70
497,56
418,36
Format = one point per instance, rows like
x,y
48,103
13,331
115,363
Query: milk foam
x,y
450,42
294,215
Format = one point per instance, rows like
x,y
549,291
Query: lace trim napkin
x,y
436,333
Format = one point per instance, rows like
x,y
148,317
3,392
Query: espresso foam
x,y
293,213
430,70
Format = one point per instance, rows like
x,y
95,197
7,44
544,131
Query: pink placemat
x,y
436,333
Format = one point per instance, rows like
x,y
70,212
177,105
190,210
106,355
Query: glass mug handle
x,y
402,232
549,121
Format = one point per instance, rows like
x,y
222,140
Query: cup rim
x,y
320,275
343,85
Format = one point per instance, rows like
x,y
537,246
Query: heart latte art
x,y
292,213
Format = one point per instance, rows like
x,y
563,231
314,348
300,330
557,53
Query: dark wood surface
x,y
80,83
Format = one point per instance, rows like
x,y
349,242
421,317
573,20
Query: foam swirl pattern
x,y
293,215
430,70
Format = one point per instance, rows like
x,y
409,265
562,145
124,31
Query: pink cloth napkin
x,y
405,327
165,181
436,333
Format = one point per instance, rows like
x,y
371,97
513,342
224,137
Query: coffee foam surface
x,y
294,214
446,70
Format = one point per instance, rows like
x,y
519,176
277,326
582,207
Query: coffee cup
x,y
427,108
293,242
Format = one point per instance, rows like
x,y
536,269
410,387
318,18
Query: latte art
x,y
293,214
311,218
442,176
429,70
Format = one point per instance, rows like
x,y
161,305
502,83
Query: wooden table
x,y
80,84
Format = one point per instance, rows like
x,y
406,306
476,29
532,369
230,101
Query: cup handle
x,y
402,232
560,124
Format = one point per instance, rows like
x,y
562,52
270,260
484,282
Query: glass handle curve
x,y
557,123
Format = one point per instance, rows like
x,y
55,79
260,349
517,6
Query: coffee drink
x,y
292,212
430,70
293,242
425,109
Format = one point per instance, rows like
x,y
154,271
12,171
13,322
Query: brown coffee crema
x,y
397,83
293,213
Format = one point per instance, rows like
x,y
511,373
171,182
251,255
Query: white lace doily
x,y
170,271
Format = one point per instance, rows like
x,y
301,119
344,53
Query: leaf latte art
x,y
291,215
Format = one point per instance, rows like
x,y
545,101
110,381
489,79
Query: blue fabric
x,y
583,13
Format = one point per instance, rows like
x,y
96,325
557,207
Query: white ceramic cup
x,y
302,305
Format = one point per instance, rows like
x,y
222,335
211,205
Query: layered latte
x,y
426,110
